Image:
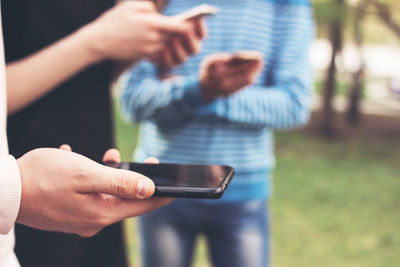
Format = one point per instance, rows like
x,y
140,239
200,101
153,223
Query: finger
x,y
191,43
117,182
154,48
152,160
235,69
219,57
166,57
200,28
155,58
236,83
169,25
66,147
216,63
178,52
112,155
123,208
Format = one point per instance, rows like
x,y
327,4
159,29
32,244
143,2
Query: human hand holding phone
x,y
67,192
179,48
130,31
223,74
246,56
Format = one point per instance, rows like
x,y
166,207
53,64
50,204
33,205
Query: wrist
x,y
193,92
207,92
91,44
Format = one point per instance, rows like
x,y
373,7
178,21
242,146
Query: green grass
x,y
335,203
342,87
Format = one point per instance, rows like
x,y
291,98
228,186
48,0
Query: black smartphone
x,y
183,180
245,57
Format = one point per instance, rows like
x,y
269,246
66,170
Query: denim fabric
x,y
237,233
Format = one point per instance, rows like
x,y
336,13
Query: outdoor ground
x,y
336,201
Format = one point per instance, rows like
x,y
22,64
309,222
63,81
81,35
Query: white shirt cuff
x,y
10,193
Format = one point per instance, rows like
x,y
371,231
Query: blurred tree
x,y
330,16
357,79
384,12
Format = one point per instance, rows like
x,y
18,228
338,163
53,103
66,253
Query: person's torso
x,y
239,25
78,112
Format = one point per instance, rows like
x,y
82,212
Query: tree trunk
x,y
327,123
353,113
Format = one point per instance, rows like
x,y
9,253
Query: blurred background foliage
x,y
336,198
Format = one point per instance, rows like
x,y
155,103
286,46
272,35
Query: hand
x,y
130,31
67,192
178,49
220,77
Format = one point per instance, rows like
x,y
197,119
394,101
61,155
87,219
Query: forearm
x,y
272,107
284,102
168,101
32,77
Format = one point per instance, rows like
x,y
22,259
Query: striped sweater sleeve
x,y
145,97
282,103
285,103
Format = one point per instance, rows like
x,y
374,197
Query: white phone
x,y
197,12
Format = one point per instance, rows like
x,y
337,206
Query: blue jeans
x,y
237,233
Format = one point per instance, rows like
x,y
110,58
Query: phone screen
x,y
183,180
180,175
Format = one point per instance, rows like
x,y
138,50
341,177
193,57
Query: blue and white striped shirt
x,y
178,126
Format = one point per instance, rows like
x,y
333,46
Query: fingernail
x,y
144,187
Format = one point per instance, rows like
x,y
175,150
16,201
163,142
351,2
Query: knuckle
x,y
151,24
121,186
149,5
153,37
82,173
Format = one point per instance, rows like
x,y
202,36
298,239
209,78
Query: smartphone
x,y
245,56
183,180
198,12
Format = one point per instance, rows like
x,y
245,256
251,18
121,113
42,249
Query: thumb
x,y
120,183
170,25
